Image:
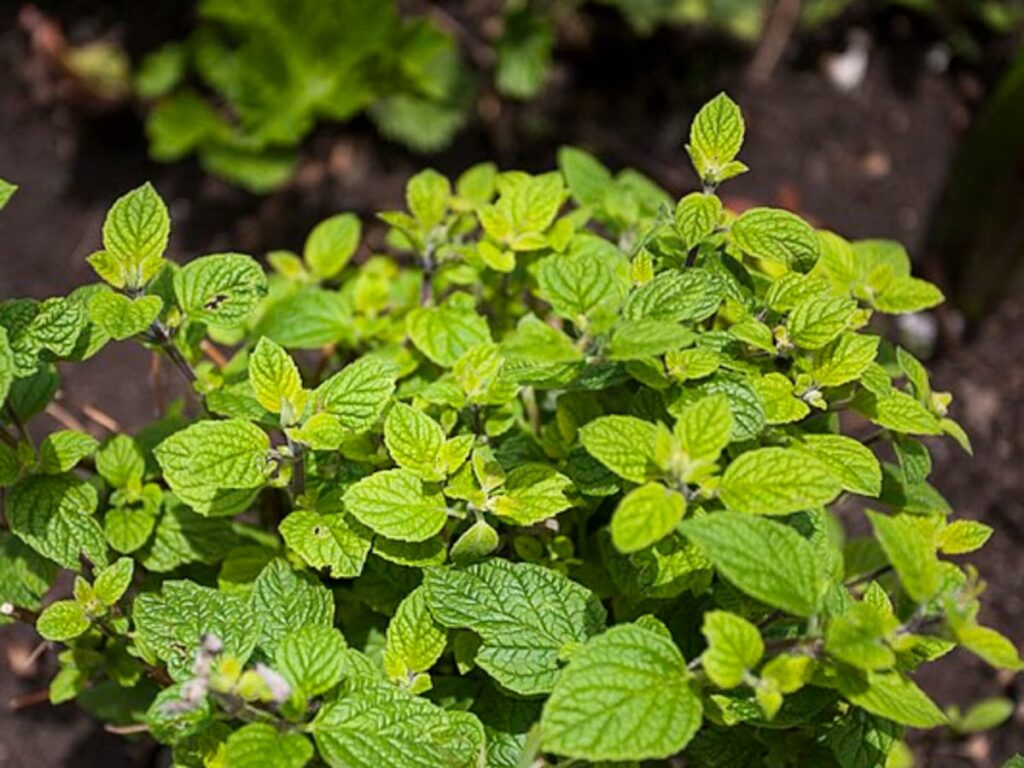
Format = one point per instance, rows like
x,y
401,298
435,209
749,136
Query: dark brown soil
x,y
870,163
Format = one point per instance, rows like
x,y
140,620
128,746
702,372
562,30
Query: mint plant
x,y
565,476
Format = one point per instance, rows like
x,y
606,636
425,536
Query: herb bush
x,y
567,478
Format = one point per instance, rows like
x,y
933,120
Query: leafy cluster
x,y
569,472
280,66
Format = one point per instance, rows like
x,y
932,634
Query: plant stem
x,y
427,289
18,614
298,481
19,424
162,336
870,576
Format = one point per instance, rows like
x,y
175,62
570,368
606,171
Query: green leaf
x,y
526,616
911,551
906,294
861,740
275,380
532,493
756,334
481,374
915,372
7,191
857,636
748,417
259,745
776,235
524,55
891,695
624,696
7,365
62,621
22,356
427,195
326,541
415,442
414,640
646,515
25,576
845,360
331,244
577,284
476,184
624,444
113,581
10,466
58,324
120,462
53,514
734,648
312,659
900,412
397,504
127,529
704,429
983,716
817,320
121,317
792,289
697,216
674,296
777,481
587,178
781,406
962,536
509,725
170,625
447,332
181,536
715,139
284,599
135,235
990,646
62,451
321,432
535,202
310,318
221,289
476,543
639,339
376,724
210,456
358,393
534,341
421,554
765,559
850,462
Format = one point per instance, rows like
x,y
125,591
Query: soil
x,y
866,163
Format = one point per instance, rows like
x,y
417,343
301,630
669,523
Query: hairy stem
x,y
298,481
427,289
162,336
